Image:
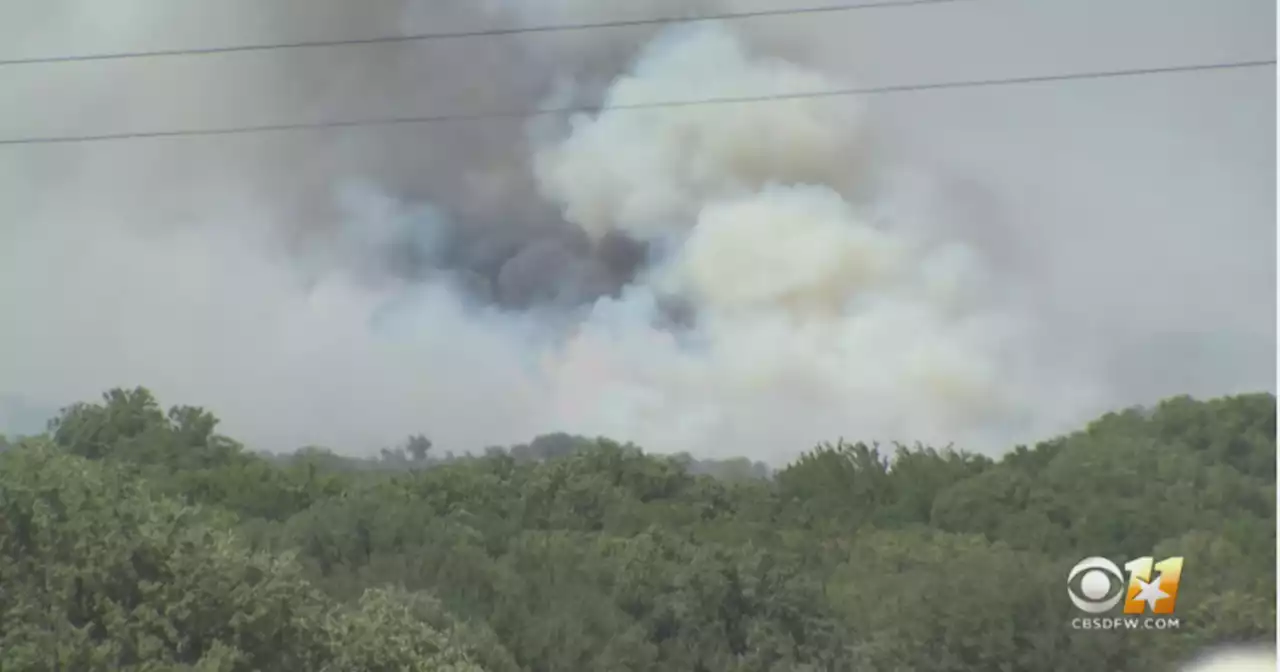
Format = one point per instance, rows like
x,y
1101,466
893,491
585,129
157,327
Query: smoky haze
x,y
726,280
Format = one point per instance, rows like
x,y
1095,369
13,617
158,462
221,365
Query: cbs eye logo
x,y
1096,585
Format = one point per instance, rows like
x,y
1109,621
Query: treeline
x,y
134,539
417,453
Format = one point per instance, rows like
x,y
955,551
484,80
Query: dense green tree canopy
x,y
135,539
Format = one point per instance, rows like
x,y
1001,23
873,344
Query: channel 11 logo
x,y
1100,577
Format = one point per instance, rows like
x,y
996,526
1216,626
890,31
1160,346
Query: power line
x,y
420,37
479,116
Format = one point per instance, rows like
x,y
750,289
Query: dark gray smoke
x,y
489,230
500,241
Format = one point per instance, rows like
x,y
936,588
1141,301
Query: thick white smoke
x,y
813,320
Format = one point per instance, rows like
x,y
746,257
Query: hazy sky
x,y
1129,223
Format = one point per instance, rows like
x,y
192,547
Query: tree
x,y
417,447
839,484
1003,504
99,574
134,539
935,602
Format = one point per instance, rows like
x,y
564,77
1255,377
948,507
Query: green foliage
x,y
130,426
935,602
382,634
135,539
98,574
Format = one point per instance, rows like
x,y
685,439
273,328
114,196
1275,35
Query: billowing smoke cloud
x,y
728,279
810,318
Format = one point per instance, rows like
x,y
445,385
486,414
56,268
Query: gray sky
x,y
1134,218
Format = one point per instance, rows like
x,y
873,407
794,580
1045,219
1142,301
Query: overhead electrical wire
x,y
730,100
493,32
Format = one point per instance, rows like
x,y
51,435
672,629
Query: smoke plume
x,y
722,279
